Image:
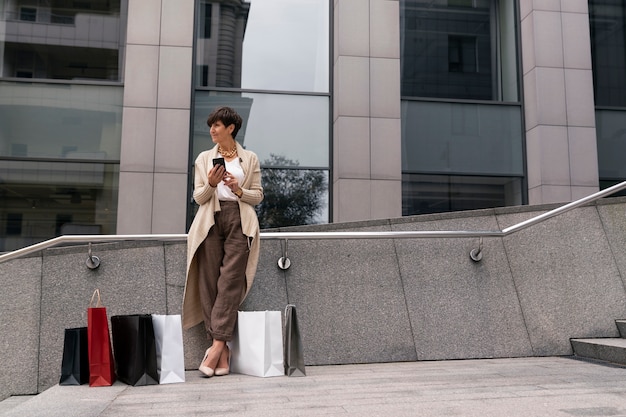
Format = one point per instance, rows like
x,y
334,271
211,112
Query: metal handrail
x,y
327,235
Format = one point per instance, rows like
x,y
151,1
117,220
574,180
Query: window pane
x,y
423,194
291,126
611,131
461,138
42,200
293,197
446,50
40,120
608,47
263,44
462,49
78,40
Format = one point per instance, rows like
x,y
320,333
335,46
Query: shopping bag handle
x,y
99,302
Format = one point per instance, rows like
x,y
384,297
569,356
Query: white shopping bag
x,y
257,345
168,333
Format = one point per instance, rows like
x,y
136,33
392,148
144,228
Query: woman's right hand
x,y
216,174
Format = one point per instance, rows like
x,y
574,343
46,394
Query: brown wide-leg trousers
x,y
222,260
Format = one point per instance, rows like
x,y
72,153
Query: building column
x,y
367,171
156,116
561,149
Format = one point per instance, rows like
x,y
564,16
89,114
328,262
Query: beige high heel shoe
x,y
206,371
224,371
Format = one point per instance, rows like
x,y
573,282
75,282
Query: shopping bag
x,y
101,364
257,345
293,355
134,348
75,363
168,333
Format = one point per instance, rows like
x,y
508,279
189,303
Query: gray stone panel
x,y
269,291
175,272
349,300
566,279
613,217
459,308
131,279
194,340
20,281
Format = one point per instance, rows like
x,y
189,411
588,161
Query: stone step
x,y
12,402
612,349
621,326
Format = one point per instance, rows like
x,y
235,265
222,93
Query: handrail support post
x,y
93,262
283,262
476,255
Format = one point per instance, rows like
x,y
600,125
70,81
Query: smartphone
x,y
219,161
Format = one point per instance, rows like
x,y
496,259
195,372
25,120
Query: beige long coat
x,y
206,197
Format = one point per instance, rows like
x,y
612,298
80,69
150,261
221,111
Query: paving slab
x,y
547,386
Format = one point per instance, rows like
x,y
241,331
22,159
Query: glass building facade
x,y
462,134
60,118
306,76
269,60
608,52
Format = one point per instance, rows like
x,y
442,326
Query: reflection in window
x,y
460,155
79,40
462,54
292,196
289,133
424,194
468,138
39,120
59,160
263,44
28,14
611,133
295,126
462,49
608,51
280,47
220,32
40,200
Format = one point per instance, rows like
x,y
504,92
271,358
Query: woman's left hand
x,y
231,182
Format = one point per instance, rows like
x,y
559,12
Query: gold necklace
x,y
227,154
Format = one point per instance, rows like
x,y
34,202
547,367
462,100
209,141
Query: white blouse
x,y
233,168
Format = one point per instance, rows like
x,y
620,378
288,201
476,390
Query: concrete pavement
x,y
550,386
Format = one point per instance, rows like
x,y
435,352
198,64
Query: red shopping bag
x,y
101,365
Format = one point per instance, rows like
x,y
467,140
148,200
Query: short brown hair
x,y
226,115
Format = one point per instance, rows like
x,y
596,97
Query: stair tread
x,y
610,341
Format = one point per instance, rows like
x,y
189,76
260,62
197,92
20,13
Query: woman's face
x,y
221,134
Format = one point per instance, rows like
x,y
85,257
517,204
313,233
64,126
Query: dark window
x,y
205,20
14,224
447,50
425,194
462,54
60,221
28,14
90,50
608,51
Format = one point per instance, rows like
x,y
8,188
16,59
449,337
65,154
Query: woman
x,y
223,241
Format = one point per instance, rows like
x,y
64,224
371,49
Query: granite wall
x,y
359,300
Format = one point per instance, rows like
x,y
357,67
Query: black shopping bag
x,y
75,363
134,349
293,356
